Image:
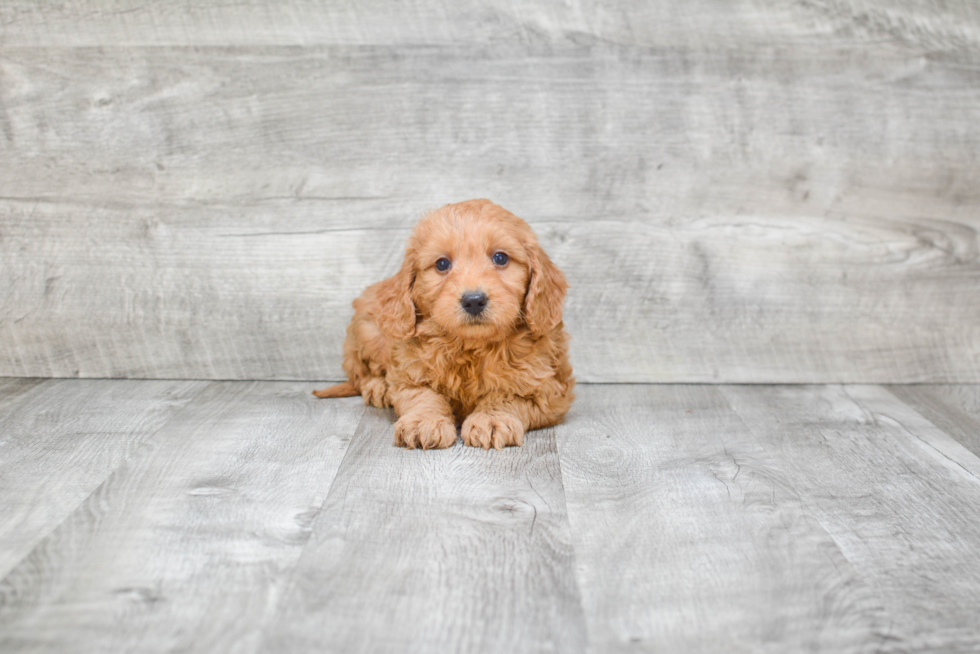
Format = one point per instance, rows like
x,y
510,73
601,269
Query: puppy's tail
x,y
344,389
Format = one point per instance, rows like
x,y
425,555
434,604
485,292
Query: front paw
x,y
425,430
493,428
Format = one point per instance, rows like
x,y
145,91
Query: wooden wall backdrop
x,y
739,191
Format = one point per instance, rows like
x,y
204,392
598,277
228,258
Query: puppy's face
x,y
472,271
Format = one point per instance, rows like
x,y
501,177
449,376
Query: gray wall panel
x,y
739,192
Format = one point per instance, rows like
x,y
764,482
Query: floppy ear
x,y
545,291
396,316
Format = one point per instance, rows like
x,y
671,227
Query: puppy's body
x,y
479,343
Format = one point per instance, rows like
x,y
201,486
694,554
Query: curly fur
x,y
411,345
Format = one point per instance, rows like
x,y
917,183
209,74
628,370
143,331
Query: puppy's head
x,y
476,271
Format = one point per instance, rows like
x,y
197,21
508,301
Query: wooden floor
x,y
145,516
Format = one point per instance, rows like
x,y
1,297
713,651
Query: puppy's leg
x,y
499,422
425,418
375,392
365,359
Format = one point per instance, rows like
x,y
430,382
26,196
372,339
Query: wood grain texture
x,y
656,518
594,131
13,390
900,498
59,441
691,538
187,545
954,408
456,550
746,212
929,24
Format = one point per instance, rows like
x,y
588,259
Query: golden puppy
x,y
467,332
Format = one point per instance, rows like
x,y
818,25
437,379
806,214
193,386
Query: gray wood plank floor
x,y
249,517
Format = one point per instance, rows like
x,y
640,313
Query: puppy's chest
x,y
466,376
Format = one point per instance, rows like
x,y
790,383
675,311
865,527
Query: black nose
x,y
474,303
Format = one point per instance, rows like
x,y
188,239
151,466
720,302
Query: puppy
x,y
468,332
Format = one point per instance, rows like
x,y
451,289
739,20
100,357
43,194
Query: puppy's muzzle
x,y
474,302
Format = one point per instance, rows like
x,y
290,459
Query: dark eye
x,y
444,264
500,258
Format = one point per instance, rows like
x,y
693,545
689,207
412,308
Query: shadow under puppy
x,y
468,332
